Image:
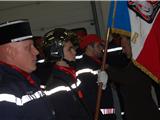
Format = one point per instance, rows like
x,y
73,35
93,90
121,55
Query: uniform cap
x,y
14,31
89,39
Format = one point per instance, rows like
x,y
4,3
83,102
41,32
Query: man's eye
x,y
71,48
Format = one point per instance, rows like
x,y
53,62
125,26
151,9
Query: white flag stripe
x,y
142,28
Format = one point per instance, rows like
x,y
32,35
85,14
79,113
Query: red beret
x,y
89,39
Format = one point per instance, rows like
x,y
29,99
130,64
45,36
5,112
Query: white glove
x,y
103,78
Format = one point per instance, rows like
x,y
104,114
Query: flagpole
x,y
100,84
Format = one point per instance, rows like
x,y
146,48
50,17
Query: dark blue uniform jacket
x,y
87,71
65,96
20,100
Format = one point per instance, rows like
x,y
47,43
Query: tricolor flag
x,y
141,21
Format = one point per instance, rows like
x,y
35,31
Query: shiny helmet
x,y
54,42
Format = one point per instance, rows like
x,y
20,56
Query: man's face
x,y
25,55
97,49
69,51
125,43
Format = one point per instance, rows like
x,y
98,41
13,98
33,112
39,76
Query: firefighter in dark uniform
x,y
87,71
20,96
134,84
62,88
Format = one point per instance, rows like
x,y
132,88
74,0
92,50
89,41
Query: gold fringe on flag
x,y
121,32
142,68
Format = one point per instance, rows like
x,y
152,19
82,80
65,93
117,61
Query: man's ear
x,y
11,51
90,46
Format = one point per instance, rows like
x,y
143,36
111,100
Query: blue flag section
x,y
118,19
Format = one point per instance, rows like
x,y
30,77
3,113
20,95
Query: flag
x,y
119,20
140,21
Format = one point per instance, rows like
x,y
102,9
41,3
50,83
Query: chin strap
x,y
70,63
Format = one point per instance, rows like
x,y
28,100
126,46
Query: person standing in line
x,y
88,68
44,69
20,96
135,85
62,89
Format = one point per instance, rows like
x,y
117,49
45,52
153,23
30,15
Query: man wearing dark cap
x,y
88,72
20,96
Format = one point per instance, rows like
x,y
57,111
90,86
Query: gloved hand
x,y
103,78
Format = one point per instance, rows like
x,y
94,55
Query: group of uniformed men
x,y
72,84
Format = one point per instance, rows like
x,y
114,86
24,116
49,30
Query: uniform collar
x,y
95,59
68,70
22,72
